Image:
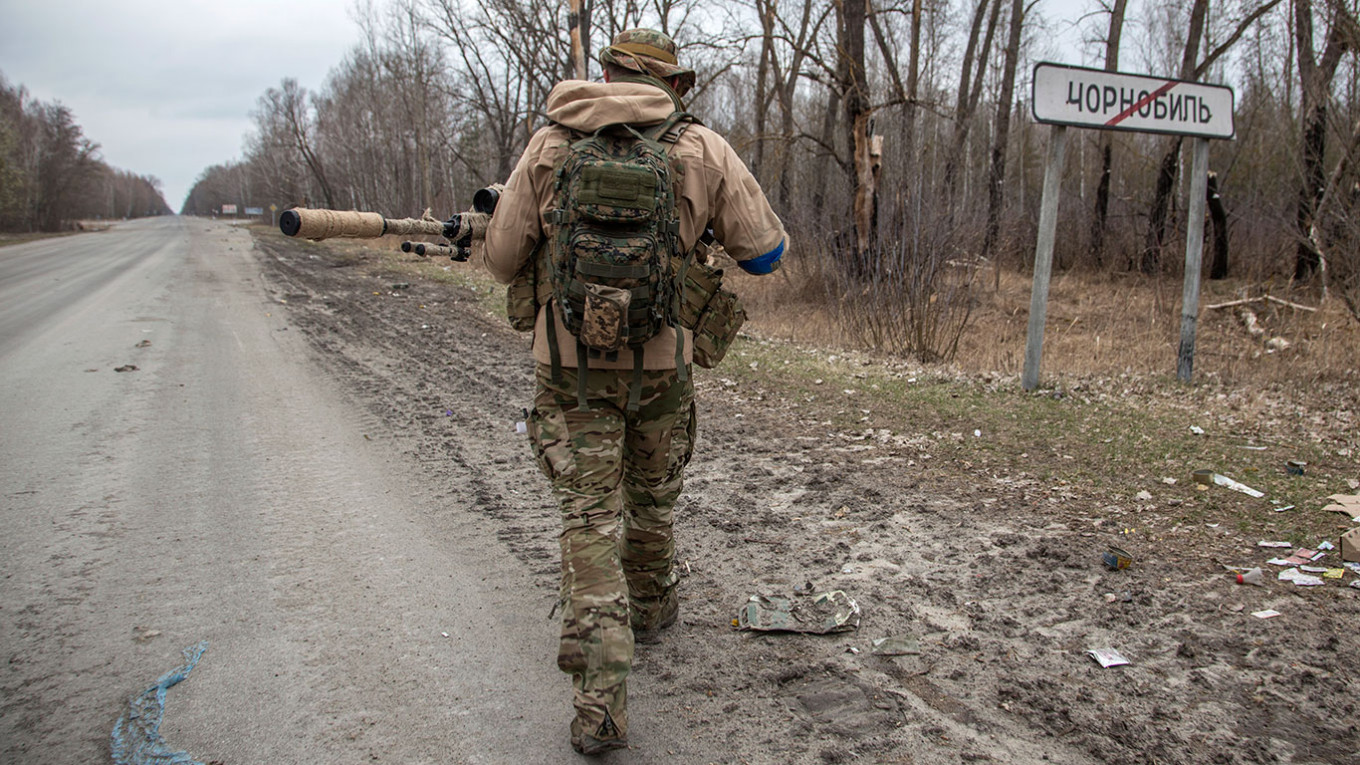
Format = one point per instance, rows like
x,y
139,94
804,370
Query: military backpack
x,y
616,265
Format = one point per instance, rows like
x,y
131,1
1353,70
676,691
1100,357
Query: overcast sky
x,y
166,87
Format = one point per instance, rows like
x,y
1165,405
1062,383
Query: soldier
x,y
616,466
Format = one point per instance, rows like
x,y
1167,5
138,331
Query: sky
x,y
166,87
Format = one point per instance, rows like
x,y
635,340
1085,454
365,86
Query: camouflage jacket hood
x,y
589,106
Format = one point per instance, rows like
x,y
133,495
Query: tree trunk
x,y
1170,165
1218,268
1102,209
858,118
996,174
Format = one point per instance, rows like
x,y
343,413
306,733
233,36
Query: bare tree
x,y
1102,205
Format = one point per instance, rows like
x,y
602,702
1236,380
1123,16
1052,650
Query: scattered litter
x,y
1143,495
977,434
136,736
1345,503
1299,579
1127,597
1107,657
1116,559
1333,573
126,368
1355,584
825,613
445,634
521,428
1282,509
1326,546
143,344
896,646
1252,447
1313,569
805,588
1209,476
848,649
1266,614
1169,481
1295,467
847,569
401,286
1280,562
1252,576
1273,544
1197,430
1354,567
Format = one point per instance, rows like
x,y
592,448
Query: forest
x,y
894,137
51,174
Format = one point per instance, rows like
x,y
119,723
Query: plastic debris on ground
x,y
136,737
1333,573
1298,578
1274,544
1266,614
822,614
896,646
1355,584
1107,657
1228,483
1252,576
1279,562
126,368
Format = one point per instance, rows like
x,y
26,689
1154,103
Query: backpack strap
x,y
667,133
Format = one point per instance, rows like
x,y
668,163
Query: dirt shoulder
x,y
957,511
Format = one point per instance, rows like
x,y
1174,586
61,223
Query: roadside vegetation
x,y
51,175
1111,438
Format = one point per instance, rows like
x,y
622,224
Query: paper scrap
x,y
1333,573
1326,546
1299,579
1107,657
1314,569
1274,544
1280,562
1266,614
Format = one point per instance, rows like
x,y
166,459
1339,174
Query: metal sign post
x,y
1194,251
1092,98
1043,256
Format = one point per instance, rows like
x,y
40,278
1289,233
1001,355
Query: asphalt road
x,y
226,491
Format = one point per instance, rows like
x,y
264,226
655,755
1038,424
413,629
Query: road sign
x,y
1072,95
254,211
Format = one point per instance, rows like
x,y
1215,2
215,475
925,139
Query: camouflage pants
x,y
616,475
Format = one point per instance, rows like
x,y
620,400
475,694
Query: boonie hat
x,y
648,51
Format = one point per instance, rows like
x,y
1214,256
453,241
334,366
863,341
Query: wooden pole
x,y
1194,253
1043,256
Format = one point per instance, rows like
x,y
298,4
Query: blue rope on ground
x,y
136,736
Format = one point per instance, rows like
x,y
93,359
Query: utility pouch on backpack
x,y
712,313
604,320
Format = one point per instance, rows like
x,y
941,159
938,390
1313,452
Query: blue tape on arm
x,y
763,264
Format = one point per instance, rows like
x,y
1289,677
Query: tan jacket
x,y
715,190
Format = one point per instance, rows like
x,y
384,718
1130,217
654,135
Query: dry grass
x,y
1098,326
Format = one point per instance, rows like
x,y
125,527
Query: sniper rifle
x,y
460,230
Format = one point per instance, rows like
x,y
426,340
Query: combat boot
x,y
587,744
654,614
